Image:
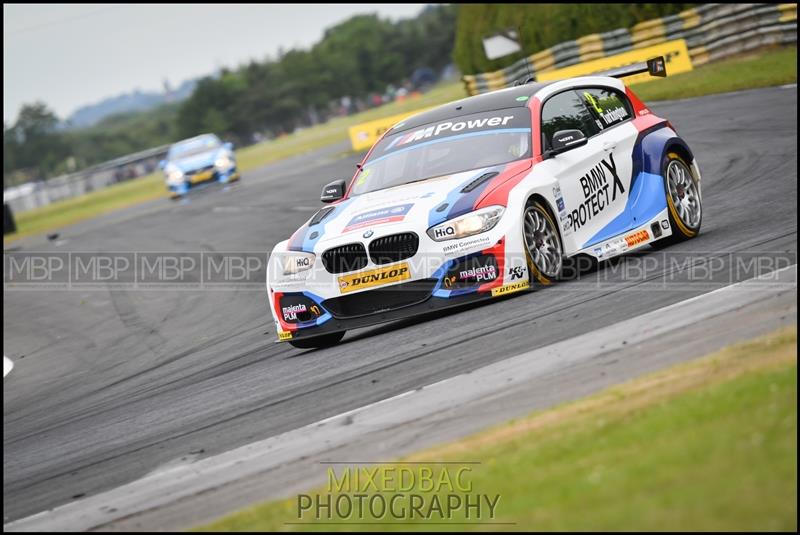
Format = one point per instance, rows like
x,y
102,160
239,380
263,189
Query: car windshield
x,y
447,147
193,146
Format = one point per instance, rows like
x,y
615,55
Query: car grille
x,y
393,248
380,300
200,170
350,257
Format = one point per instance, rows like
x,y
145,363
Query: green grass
x,y
707,445
70,211
775,67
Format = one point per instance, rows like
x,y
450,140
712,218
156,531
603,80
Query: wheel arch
x,y
679,147
654,145
536,196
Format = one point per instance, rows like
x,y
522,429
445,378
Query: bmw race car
x,y
200,159
483,197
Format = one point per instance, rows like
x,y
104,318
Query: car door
x,y
593,178
612,112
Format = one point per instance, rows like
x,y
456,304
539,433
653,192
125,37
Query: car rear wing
x,y
655,66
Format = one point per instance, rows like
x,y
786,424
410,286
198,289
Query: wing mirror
x,y
228,146
565,140
162,164
333,191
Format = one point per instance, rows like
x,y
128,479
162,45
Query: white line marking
x,y
360,409
8,365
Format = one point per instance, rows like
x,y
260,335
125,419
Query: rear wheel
x,y
542,243
326,340
683,200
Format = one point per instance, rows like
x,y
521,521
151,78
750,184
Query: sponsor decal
x,y
380,216
375,277
510,288
515,273
478,274
614,247
290,313
284,335
596,184
464,245
442,232
497,120
598,251
562,210
315,310
302,262
637,237
448,127
471,271
664,224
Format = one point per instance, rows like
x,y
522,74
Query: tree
x,y
34,142
541,26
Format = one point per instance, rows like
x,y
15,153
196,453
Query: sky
x,y
72,55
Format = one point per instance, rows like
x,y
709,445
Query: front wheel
x,y
683,200
318,342
542,243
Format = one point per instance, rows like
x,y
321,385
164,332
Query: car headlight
x,y
174,174
293,262
223,162
468,224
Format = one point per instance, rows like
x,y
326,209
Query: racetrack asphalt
x,y
110,385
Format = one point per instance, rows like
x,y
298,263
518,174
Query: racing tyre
x,y
543,247
683,200
326,340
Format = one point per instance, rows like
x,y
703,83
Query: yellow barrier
x,y
364,135
675,53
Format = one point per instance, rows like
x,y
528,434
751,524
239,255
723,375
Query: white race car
x,y
483,197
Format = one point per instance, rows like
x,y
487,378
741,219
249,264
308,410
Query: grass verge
x,y
764,69
706,445
773,67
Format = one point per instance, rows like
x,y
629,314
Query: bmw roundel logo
x,y
368,234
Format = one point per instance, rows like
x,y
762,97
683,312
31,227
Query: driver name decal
x,y
596,196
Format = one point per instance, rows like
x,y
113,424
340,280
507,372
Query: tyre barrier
x,y
711,31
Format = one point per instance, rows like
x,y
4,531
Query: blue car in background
x,y
196,160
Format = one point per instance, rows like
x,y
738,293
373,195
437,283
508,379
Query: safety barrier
x,y
37,194
711,32
364,135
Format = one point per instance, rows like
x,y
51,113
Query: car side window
x,y
566,111
608,106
